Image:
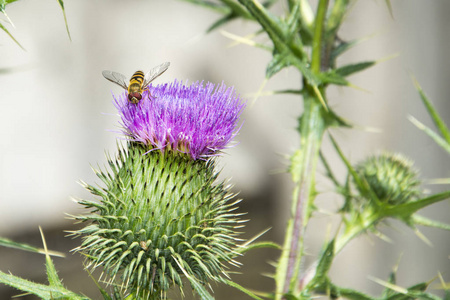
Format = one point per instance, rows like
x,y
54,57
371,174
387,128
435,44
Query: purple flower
x,y
197,120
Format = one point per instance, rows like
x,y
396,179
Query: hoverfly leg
x,y
150,96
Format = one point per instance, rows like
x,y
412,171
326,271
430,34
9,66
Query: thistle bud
x,y
162,214
391,177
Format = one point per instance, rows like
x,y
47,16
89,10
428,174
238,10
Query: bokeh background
x,y
57,119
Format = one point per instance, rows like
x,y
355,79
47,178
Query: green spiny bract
x,y
160,216
391,177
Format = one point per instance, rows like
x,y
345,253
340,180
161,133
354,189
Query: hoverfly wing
x,y
155,72
117,78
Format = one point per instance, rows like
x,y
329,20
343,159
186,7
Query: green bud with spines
x,y
161,216
391,177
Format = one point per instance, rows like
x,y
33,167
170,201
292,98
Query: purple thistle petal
x,y
199,120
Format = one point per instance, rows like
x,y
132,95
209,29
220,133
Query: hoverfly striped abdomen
x,y
136,82
135,88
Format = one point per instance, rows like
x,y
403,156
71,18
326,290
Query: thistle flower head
x,y
391,177
163,217
199,120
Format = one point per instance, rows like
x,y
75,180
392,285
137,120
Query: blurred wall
x,y
57,119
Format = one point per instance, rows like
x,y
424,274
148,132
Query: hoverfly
x,y
138,82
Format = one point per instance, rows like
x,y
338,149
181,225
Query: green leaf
x,y
293,92
222,21
3,10
11,244
416,291
3,3
232,10
333,120
404,211
337,15
328,171
325,261
447,295
443,129
320,280
343,47
284,59
271,24
300,23
210,5
362,185
237,9
289,296
306,14
61,3
241,288
351,294
52,274
40,290
287,52
437,139
302,66
353,68
419,287
279,61
387,292
332,77
55,289
278,33
293,20
10,35
420,220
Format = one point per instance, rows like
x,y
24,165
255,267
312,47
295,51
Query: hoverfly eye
x,y
134,97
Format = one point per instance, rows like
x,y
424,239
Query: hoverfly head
x,y
134,97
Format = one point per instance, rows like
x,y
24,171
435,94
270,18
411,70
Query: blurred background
x,y
57,120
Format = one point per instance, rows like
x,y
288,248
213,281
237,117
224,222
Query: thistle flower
x,y
391,177
197,120
162,214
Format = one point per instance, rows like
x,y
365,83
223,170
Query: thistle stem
x,y
316,57
353,231
303,167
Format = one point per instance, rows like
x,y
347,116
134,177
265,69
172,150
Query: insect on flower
x,y
138,82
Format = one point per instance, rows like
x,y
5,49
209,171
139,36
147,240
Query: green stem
x,y
318,33
303,167
353,231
